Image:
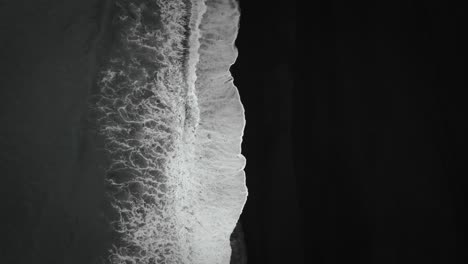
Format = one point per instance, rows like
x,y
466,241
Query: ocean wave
x,y
172,121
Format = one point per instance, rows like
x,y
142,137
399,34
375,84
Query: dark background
x,y
358,108
264,73
387,130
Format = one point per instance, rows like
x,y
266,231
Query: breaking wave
x,y
172,123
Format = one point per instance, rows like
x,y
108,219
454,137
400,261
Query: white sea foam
x,y
173,122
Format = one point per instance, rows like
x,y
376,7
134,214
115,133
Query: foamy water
x,y
173,123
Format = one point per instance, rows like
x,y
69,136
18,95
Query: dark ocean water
x,y
51,165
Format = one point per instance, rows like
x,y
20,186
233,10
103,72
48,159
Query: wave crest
x,y
173,122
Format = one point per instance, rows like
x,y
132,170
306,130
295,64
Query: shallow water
x,y
135,154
